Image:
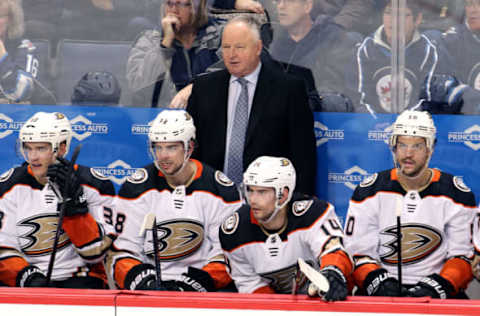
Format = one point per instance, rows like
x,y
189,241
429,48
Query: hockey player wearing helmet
x,y
189,201
264,239
435,209
30,196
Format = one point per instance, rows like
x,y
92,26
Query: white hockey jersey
x,y
29,218
435,227
187,219
259,258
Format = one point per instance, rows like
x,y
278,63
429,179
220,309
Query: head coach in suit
x,y
278,123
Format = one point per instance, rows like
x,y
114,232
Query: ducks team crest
x,y
221,178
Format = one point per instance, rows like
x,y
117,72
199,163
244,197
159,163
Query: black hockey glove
x,y
445,97
434,286
380,283
141,277
31,276
69,185
338,284
196,280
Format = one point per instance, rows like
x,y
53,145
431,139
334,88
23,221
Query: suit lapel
x,y
222,107
260,98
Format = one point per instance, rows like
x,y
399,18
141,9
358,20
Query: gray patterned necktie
x,y
237,138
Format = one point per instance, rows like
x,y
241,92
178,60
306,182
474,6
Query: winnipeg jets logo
x,y
418,242
38,240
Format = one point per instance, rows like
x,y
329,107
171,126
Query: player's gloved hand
x,y
446,95
31,276
196,280
69,185
141,277
338,285
434,286
380,283
476,265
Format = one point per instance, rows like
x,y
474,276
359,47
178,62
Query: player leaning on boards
x,y
188,199
29,212
435,211
264,239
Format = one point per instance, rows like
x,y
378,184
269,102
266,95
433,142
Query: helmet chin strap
x,y
400,169
275,212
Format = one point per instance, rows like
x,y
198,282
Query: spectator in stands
x,y
320,45
440,15
251,109
185,45
31,196
188,200
458,90
371,82
435,210
42,18
19,65
97,88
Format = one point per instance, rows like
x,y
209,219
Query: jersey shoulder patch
x,y
230,225
459,184
221,178
369,180
97,174
6,175
300,207
139,176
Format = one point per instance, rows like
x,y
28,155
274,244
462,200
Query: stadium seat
x,y
77,57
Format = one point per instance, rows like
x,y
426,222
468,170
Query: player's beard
x,y
416,172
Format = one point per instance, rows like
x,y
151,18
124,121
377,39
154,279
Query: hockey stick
x,y
150,222
61,212
398,213
314,276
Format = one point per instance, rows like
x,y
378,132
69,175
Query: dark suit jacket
x,y
280,123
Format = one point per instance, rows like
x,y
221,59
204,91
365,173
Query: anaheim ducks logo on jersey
x,y
281,280
38,240
178,239
418,242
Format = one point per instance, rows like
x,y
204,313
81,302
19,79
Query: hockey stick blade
x,y
51,262
314,276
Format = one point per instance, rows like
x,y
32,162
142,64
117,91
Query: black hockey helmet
x,y
97,87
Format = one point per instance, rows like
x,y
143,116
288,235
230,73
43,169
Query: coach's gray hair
x,y
249,21
16,24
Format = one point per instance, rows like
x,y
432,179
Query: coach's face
x,y
241,49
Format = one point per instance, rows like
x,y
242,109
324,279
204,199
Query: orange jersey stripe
x,y
458,272
122,267
339,259
9,269
218,272
360,273
264,290
81,229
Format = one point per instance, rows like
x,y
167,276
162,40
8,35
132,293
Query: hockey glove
x,y
196,280
338,285
380,283
446,95
70,188
434,286
31,276
141,277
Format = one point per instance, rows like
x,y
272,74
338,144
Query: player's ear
x,y
284,195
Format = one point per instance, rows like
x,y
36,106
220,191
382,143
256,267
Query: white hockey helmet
x,y
172,126
272,172
53,128
414,123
